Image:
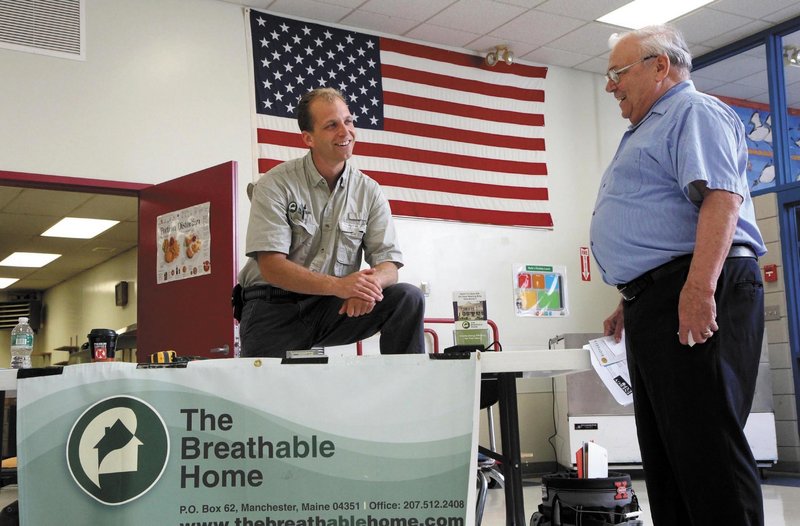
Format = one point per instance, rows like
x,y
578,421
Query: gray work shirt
x,y
294,212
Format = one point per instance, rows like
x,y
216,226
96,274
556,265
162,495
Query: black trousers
x,y
691,403
270,328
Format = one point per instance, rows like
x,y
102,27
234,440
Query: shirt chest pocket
x,y
626,177
348,249
302,235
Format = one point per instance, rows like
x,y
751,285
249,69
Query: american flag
x,y
445,136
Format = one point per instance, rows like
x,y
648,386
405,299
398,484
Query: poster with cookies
x,y
184,244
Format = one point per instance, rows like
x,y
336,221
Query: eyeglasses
x,y
613,74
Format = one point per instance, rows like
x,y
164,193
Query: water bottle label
x,y
22,340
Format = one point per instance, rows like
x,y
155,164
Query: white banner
x,y
359,441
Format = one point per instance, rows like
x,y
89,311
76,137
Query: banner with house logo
x,y
356,441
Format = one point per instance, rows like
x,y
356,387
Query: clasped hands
x,y
361,291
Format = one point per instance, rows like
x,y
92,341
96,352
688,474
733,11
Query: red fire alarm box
x,y
770,273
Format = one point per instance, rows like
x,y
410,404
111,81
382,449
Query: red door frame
x,y
70,184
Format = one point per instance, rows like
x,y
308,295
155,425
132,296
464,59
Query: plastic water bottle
x,y
21,345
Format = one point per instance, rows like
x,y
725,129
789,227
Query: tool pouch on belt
x,y
237,302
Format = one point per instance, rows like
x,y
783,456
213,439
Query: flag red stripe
x,y
280,138
265,165
419,182
415,155
470,215
451,159
461,84
462,110
459,59
468,136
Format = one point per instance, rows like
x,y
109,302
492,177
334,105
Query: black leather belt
x,y
270,293
633,288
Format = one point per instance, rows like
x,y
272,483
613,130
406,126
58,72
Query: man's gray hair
x,y
663,39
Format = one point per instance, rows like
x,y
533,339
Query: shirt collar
x,y
662,105
314,178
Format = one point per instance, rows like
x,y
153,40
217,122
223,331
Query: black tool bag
x,y
570,501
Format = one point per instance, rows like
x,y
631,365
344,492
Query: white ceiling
x,y
550,32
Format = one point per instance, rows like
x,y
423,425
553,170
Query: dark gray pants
x,y
691,403
270,328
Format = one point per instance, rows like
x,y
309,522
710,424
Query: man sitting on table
x,y
310,221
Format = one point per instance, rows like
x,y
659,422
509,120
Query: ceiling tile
x,y
585,39
705,85
783,14
476,16
392,25
555,57
311,9
442,35
791,77
537,28
757,80
751,9
116,207
733,68
522,3
698,50
419,10
703,24
594,65
737,91
746,30
352,4
55,203
8,194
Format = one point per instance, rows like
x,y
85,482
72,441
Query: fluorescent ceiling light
x,y
640,13
28,259
5,282
79,227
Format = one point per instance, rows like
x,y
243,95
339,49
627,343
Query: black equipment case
x,y
570,501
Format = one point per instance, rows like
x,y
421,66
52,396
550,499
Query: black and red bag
x,y
570,501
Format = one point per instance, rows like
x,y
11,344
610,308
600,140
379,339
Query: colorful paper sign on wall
x,y
540,290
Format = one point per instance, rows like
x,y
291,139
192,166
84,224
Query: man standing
x,y
674,229
310,221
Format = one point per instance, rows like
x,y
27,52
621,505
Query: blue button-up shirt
x,y
647,209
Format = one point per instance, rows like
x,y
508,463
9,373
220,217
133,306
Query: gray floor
x,y
781,501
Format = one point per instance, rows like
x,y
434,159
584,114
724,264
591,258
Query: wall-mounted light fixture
x,y
791,56
499,53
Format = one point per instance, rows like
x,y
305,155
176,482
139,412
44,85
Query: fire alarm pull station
x,y
770,273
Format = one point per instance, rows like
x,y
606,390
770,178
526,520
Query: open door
x,y
192,315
